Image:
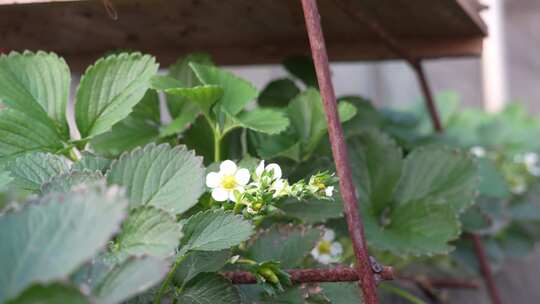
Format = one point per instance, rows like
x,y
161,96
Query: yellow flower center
x,y
324,247
228,182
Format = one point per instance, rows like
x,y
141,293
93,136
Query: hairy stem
x,y
168,279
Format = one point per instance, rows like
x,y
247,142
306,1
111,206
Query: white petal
x,y
329,191
220,194
278,185
260,169
227,167
324,259
329,235
232,197
336,249
276,169
242,176
213,179
315,253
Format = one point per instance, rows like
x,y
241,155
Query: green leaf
x,y
302,67
440,174
91,162
346,111
5,180
267,121
110,89
66,181
314,211
185,75
148,231
492,181
32,170
36,84
203,96
236,91
163,83
128,279
197,262
19,134
415,228
215,230
287,245
187,116
308,120
342,293
49,240
376,163
209,289
162,176
52,293
278,93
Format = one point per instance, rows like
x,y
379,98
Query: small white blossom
x,y
478,151
274,168
229,179
329,191
531,162
327,251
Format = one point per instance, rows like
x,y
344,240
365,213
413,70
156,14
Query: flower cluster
x,y
520,170
256,193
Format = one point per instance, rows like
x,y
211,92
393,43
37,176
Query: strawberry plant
x,y
113,203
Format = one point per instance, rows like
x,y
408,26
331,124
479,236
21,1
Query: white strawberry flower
x,y
274,168
478,151
227,181
327,251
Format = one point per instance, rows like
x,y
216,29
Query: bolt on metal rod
x,y
339,151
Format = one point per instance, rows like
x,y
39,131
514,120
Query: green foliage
x,y
287,245
411,207
37,84
209,289
139,128
236,92
32,170
198,262
51,294
101,104
49,239
214,230
161,176
147,231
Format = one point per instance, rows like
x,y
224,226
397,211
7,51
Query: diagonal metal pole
x,y
339,151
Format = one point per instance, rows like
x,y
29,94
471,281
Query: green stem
x,y
168,279
402,293
217,146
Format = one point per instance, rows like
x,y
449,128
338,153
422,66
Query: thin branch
x,y
485,268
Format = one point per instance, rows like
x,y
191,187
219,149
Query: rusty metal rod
x,y
298,276
339,151
485,268
428,96
354,10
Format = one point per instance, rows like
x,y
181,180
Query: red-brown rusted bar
x,y
339,151
485,268
353,9
298,276
428,96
